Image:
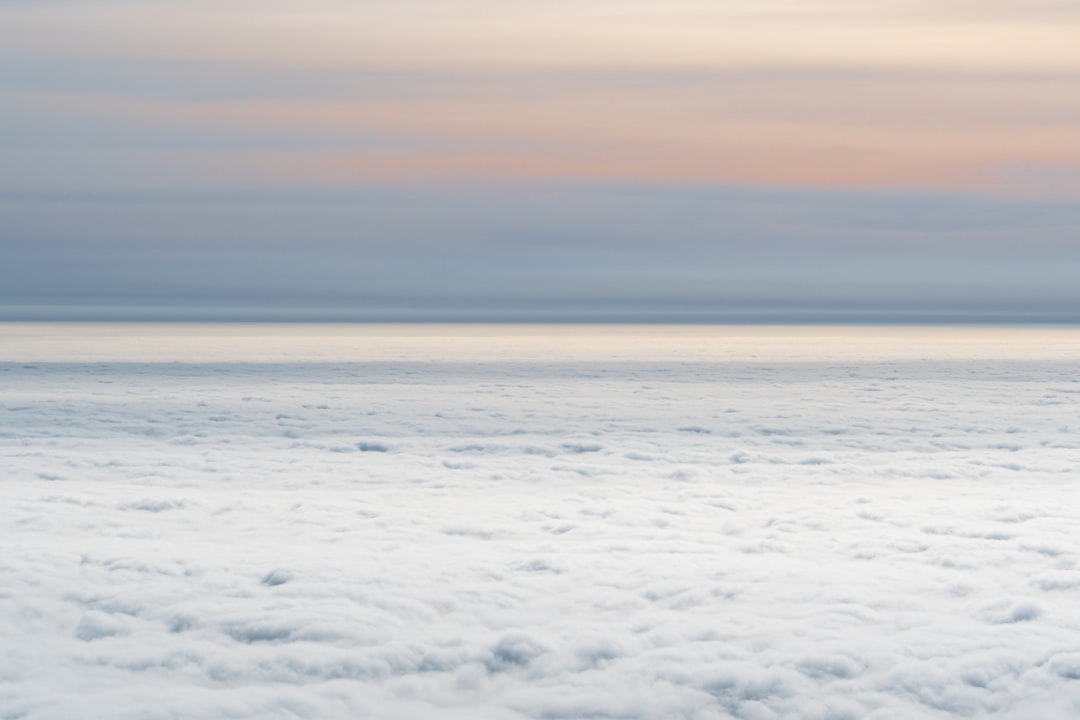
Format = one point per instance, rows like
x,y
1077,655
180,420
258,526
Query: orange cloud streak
x,y
482,34
789,134
918,93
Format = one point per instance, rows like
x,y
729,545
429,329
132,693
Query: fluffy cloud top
x,y
884,533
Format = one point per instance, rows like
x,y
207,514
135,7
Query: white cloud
x,y
683,536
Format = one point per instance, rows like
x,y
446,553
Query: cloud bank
x,y
832,529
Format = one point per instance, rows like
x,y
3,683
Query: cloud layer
x,y
539,526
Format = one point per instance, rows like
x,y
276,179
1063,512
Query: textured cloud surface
x,y
534,523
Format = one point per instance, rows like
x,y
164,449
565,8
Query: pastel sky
x,y
551,160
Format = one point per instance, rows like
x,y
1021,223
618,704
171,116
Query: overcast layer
x,y
511,523
560,160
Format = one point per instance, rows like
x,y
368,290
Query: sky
x,y
589,160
